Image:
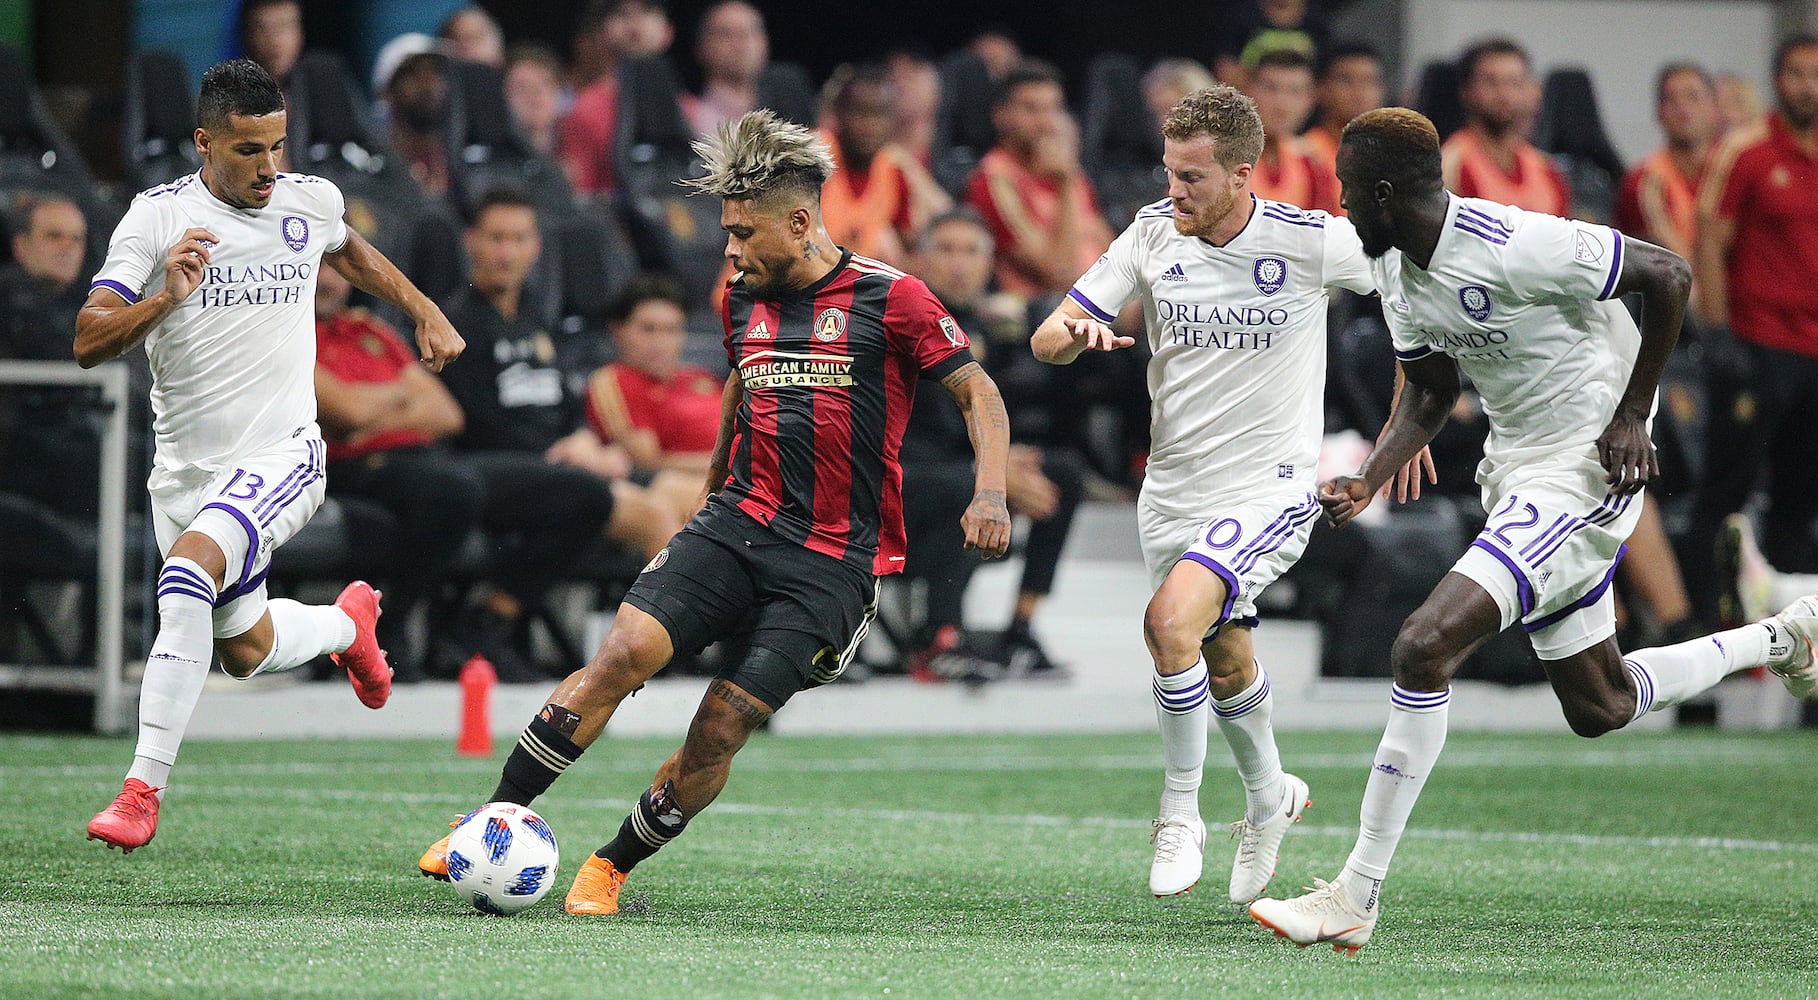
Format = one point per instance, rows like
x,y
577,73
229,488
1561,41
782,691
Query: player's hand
x,y
1407,478
1627,453
1344,497
1095,336
184,263
987,524
437,342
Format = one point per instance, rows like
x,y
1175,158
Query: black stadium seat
x,y
35,153
1118,141
1436,96
1571,128
160,126
786,89
962,127
487,150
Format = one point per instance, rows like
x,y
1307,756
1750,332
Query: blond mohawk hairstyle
x,y
760,155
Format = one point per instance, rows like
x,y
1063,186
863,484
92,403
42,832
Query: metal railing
x,y
107,679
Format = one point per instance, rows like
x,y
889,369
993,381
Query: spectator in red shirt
x,y
1281,84
613,30
271,34
1490,157
733,48
473,35
1031,189
1756,264
664,414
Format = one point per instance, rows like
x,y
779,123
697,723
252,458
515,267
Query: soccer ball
x,y
502,858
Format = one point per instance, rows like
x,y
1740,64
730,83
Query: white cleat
x,y
1324,916
1791,634
1259,845
1746,578
1180,853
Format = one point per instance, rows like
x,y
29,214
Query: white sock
x,y
1410,747
1668,675
175,668
1180,709
301,632
1244,719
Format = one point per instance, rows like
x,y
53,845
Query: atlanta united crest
x,y
296,233
1270,273
1476,302
831,325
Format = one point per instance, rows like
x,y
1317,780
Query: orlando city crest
x,y
1270,274
1476,302
296,233
831,324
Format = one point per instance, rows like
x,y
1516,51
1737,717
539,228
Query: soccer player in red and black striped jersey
x,y
802,507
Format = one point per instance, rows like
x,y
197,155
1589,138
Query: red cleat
x,y
131,821
364,660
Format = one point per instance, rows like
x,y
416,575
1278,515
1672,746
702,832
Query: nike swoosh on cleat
x,y
1322,937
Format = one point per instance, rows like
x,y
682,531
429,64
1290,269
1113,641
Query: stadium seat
x,y
786,89
35,153
39,545
1436,96
595,262
652,151
159,131
486,148
963,132
1118,141
1571,128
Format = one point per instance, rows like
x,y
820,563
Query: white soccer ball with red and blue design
x,y
502,858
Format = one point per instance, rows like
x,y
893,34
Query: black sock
x,y
540,757
654,821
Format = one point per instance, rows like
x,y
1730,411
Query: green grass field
x,y
1674,865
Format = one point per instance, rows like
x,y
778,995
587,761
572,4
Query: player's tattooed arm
x,y
987,519
749,709
109,326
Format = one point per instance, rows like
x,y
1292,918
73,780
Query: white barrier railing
x,y
107,679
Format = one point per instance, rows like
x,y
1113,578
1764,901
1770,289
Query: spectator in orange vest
x,y
1281,84
1490,157
1659,197
879,197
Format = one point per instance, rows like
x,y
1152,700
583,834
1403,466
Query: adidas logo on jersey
x,y
1174,273
759,332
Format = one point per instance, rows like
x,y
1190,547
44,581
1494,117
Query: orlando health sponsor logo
x,y
1202,324
255,284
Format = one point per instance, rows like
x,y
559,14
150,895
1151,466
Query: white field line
x,y
456,804
983,762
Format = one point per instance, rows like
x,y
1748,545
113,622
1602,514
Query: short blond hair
x,y
1226,115
761,155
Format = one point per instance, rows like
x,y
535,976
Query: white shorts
x,y
1248,545
269,496
1549,551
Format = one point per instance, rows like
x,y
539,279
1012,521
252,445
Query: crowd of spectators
x,y
581,415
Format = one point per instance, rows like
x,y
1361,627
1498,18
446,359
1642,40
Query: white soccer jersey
x,y
233,367
1238,332
1522,301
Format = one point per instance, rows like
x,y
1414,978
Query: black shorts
x,y
726,577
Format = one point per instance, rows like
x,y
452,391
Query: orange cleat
x,y
364,660
131,821
434,862
596,888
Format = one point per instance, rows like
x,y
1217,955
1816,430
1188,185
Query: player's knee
x,y
1172,634
1419,657
1593,719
